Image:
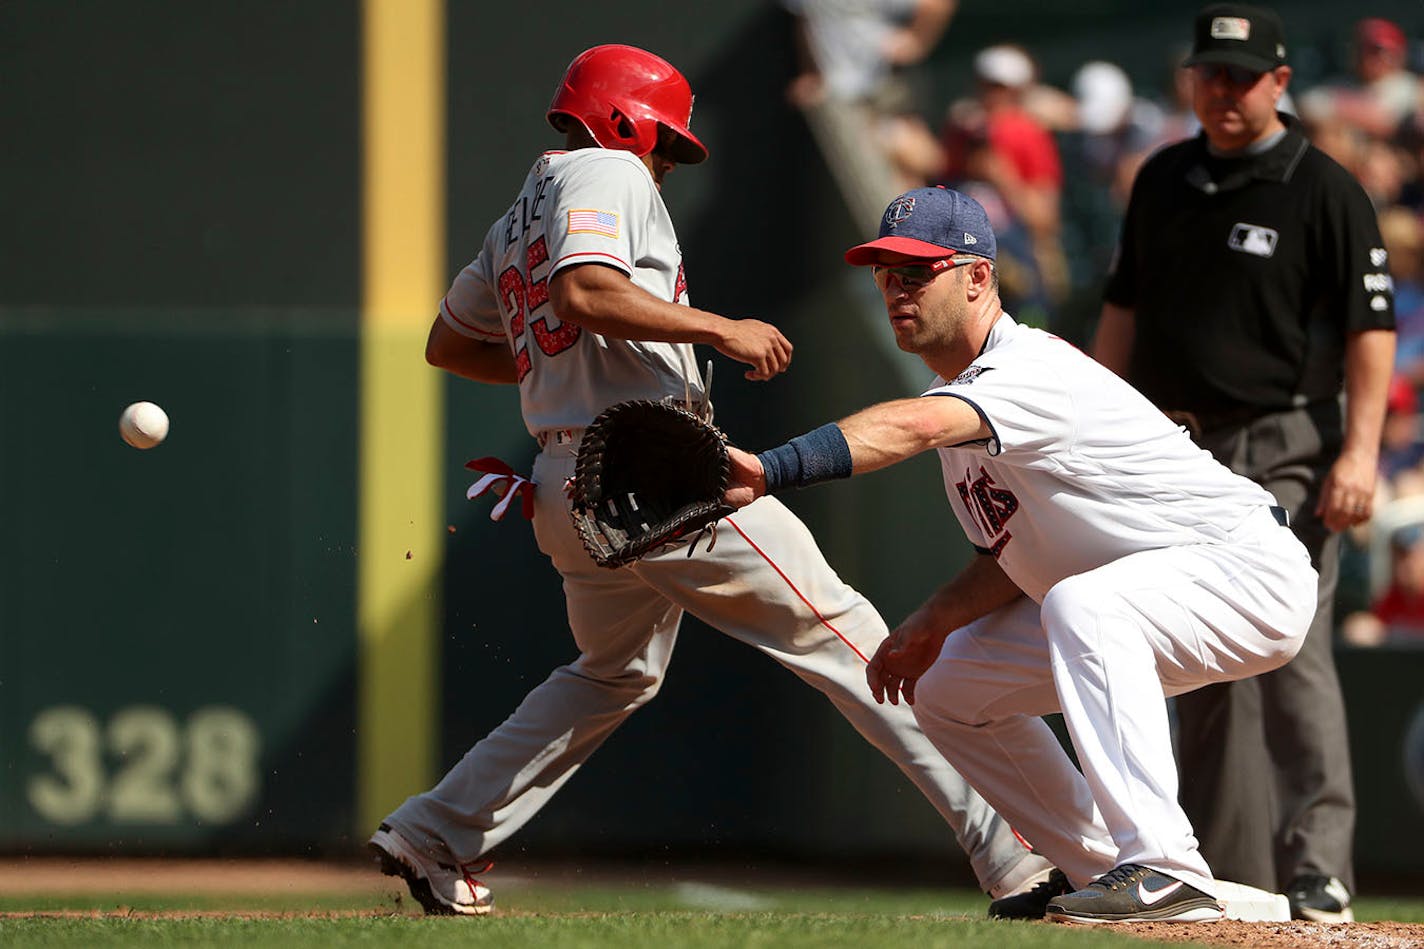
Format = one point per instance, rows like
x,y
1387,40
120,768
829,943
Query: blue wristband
x,y
820,455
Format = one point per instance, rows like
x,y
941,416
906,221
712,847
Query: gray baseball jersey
x,y
588,206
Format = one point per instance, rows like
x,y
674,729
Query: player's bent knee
x,y
943,698
629,686
1072,609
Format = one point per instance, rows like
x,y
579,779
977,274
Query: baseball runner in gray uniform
x,y
578,296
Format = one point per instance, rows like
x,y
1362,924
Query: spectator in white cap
x,y
1117,128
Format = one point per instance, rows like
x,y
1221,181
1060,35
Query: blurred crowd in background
x,y
1054,167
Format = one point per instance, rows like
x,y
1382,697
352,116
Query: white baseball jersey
x,y
1103,472
592,205
1150,570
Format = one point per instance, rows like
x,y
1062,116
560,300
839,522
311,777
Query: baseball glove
x,y
647,474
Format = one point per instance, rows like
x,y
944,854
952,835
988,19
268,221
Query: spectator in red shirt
x,y
1023,163
1401,607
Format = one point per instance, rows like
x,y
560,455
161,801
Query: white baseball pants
x,y
765,583
1106,647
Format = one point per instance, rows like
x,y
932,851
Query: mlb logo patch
x,y
1230,28
1253,239
899,210
590,221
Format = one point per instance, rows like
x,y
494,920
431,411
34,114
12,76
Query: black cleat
x,y
1320,898
1033,902
1134,894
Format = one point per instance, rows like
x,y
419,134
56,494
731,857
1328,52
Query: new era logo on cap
x,y
932,224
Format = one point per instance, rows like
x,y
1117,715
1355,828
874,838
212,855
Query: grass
x,y
561,914
692,930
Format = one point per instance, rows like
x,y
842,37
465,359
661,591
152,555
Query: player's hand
x,y
903,47
746,478
905,655
1348,493
806,90
759,345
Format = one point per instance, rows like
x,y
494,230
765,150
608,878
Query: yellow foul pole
x,y
401,516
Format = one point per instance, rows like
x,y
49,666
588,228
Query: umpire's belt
x,y
1210,420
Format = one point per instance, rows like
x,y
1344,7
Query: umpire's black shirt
x,y
1246,273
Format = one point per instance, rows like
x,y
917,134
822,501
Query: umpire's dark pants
x,y
1266,761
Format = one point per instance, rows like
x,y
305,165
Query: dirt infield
x,y
1293,935
60,876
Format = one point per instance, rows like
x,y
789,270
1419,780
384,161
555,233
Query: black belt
x,y
1281,515
1210,420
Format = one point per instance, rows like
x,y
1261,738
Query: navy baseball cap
x,y
930,223
1236,34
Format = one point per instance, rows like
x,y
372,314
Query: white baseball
x,y
143,425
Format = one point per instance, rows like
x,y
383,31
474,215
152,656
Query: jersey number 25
x,y
523,299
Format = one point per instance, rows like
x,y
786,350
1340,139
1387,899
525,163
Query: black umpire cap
x,y
1237,34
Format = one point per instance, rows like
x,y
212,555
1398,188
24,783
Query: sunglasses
x,y
1237,76
917,276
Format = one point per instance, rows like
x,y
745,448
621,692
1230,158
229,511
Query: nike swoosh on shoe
x,y
1150,897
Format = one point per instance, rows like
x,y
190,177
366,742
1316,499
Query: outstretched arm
x,y
869,440
890,432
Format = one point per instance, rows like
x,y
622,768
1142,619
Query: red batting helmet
x,y
621,94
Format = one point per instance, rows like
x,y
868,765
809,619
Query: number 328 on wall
x,y
144,767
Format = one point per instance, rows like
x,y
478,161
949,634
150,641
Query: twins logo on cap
x,y
899,209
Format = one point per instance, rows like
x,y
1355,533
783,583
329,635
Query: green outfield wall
x,y
275,625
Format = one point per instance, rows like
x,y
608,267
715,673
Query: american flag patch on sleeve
x,y
587,221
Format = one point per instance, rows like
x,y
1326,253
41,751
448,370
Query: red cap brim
x,y
862,255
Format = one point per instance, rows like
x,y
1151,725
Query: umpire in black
x,y
1249,294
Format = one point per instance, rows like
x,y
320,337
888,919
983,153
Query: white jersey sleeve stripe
x,y
591,257
467,329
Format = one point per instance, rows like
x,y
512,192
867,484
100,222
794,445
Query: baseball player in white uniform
x,y
1120,564
578,296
